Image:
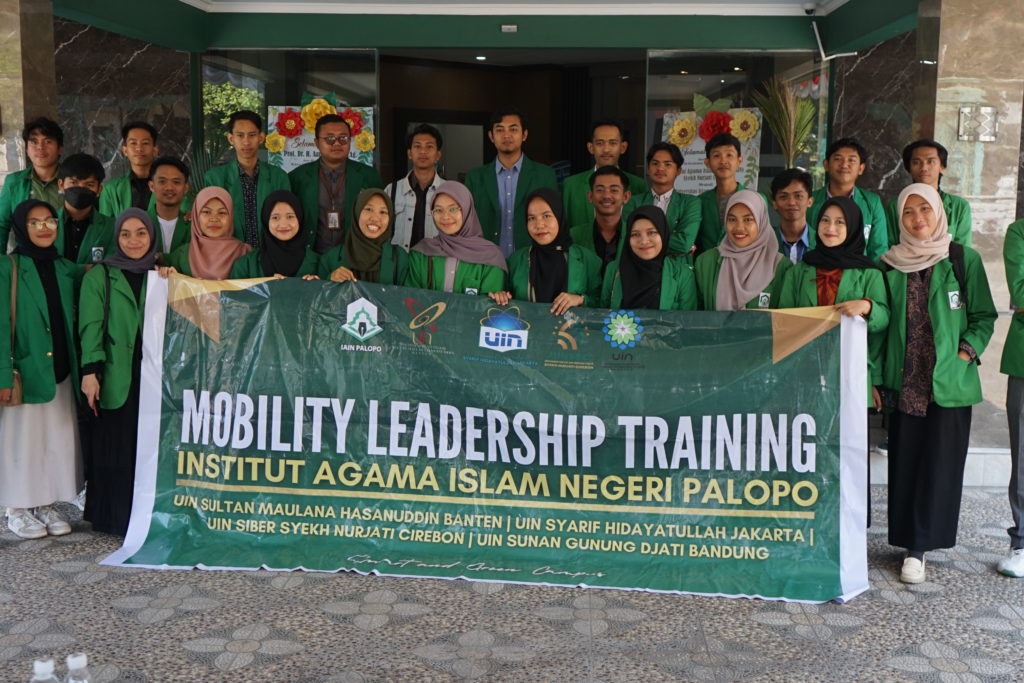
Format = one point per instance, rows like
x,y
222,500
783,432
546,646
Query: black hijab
x,y
849,254
22,241
281,256
549,266
641,280
123,261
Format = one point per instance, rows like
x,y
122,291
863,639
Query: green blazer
x,y
583,235
712,226
678,289
98,243
954,382
578,209
482,182
305,183
33,350
394,263
182,233
1013,260
117,195
17,188
684,218
876,232
249,266
476,277
958,215
799,290
584,274
116,348
707,268
271,178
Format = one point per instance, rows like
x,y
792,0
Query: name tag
x,y
97,254
954,301
867,230
333,220
764,300
471,290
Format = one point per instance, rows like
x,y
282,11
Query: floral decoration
x,y
714,122
289,123
355,122
274,142
683,132
744,125
365,141
312,112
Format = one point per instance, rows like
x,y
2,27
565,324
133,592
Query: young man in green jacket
x,y
607,144
328,187
722,156
500,188
683,211
791,198
84,235
925,161
44,142
604,233
169,184
247,179
1013,365
132,189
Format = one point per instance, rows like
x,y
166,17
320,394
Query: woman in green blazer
x,y
942,319
552,270
284,251
746,270
213,249
110,322
460,259
366,252
40,462
643,276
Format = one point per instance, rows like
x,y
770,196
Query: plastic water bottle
x,y
42,672
78,669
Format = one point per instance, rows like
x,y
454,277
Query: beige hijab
x,y
915,253
211,258
746,271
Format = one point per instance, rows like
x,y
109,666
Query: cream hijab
x,y
916,253
746,271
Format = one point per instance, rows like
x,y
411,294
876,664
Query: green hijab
x,y
362,253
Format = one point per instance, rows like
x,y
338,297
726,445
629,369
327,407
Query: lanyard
x,y
333,190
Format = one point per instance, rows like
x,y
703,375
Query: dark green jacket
x,y
249,265
33,343
270,178
117,195
305,183
707,268
583,235
584,274
684,212
482,182
182,234
1013,260
712,226
578,209
394,263
678,289
876,234
116,348
958,215
98,243
478,278
17,188
954,382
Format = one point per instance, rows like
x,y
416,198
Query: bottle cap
x,y
42,667
78,661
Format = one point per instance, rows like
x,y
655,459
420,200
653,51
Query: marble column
x,y
27,81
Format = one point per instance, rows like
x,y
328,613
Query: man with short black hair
x,y
329,186
791,198
138,145
84,235
499,189
723,156
247,179
664,165
925,161
603,233
845,161
168,181
44,142
607,144
413,194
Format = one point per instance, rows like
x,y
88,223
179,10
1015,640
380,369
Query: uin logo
x,y
622,329
504,330
424,321
361,320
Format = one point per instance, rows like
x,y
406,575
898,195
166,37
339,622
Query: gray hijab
x,y
746,271
468,244
123,261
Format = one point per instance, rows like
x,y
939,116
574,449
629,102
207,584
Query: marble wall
x,y
105,80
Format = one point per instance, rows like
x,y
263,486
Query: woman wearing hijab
x,y
285,252
552,270
39,456
213,249
746,270
366,253
460,259
942,319
643,277
110,331
837,273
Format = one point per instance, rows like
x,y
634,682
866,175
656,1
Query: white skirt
x,y
40,458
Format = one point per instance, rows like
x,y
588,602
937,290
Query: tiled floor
x,y
966,623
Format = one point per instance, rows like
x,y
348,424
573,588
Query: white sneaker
x,y
1012,565
883,448
913,570
23,524
55,523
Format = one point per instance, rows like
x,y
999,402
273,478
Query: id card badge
x,y
334,220
955,302
764,300
472,291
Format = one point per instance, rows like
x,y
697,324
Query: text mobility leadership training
x,y
308,424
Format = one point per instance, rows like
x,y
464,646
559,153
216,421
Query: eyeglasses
x,y
332,139
37,224
451,211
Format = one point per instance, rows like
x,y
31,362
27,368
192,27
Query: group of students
x,y
925,298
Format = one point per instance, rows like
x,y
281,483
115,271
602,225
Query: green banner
x,y
306,424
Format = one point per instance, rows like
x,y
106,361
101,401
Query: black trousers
x,y
926,476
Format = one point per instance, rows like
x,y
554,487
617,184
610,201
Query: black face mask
x,y
79,197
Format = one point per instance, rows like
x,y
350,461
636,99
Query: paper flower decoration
x,y
744,125
289,123
365,141
355,122
714,122
683,132
313,111
274,142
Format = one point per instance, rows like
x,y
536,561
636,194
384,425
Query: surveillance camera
x,y
809,8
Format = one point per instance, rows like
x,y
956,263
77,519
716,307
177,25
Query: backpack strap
x,y
956,258
106,306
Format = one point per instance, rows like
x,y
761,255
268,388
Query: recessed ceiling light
x,y
723,80
480,58
684,73
737,68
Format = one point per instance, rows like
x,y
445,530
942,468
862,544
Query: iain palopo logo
x,y
504,330
361,320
